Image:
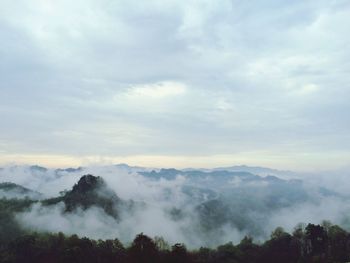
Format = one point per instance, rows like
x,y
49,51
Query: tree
x,y
338,239
111,251
316,241
161,244
249,252
143,250
227,253
179,254
281,248
278,233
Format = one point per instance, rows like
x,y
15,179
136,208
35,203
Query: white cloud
x,y
308,89
156,91
120,77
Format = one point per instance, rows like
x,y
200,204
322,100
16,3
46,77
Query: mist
x,y
197,208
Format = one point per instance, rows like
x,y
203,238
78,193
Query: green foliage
x,y
8,187
179,254
15,205
314,243
143,250
9,228
310,243
40,248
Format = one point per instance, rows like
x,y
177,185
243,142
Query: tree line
x,y
307,243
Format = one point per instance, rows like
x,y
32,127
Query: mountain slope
x,y
12,190
92,191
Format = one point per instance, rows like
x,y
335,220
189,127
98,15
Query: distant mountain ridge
x,y
12,190
258,170
213,199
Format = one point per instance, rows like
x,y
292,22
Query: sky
x,y
175,83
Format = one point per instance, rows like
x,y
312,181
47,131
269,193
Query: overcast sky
x,y
175,83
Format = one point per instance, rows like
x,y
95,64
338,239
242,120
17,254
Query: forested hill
x,y
313,243
90,191
12,190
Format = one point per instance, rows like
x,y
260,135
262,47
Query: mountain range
x,y
196,200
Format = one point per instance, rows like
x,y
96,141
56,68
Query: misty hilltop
x,y
88,192
12,190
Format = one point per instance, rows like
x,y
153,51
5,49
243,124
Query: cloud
x,y
152,218
111,78
308,89
158,197
156,91
311,212
93,222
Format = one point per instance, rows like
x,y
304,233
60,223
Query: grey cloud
x,y
248,69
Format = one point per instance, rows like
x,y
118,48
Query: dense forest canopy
x,y
310,243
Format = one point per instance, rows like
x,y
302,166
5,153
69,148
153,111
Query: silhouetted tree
x,y
281,247
179,254
143,250
249,252
338,240
316,243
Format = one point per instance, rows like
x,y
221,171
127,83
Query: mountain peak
x,y
88,183
92,191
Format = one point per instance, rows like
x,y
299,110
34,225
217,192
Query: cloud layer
x,y
264,83
236,207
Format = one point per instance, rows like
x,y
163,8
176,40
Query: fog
x,y
252,207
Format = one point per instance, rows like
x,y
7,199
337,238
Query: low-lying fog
x,y
196,207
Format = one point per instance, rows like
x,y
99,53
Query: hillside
x,y
213,205
12,190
